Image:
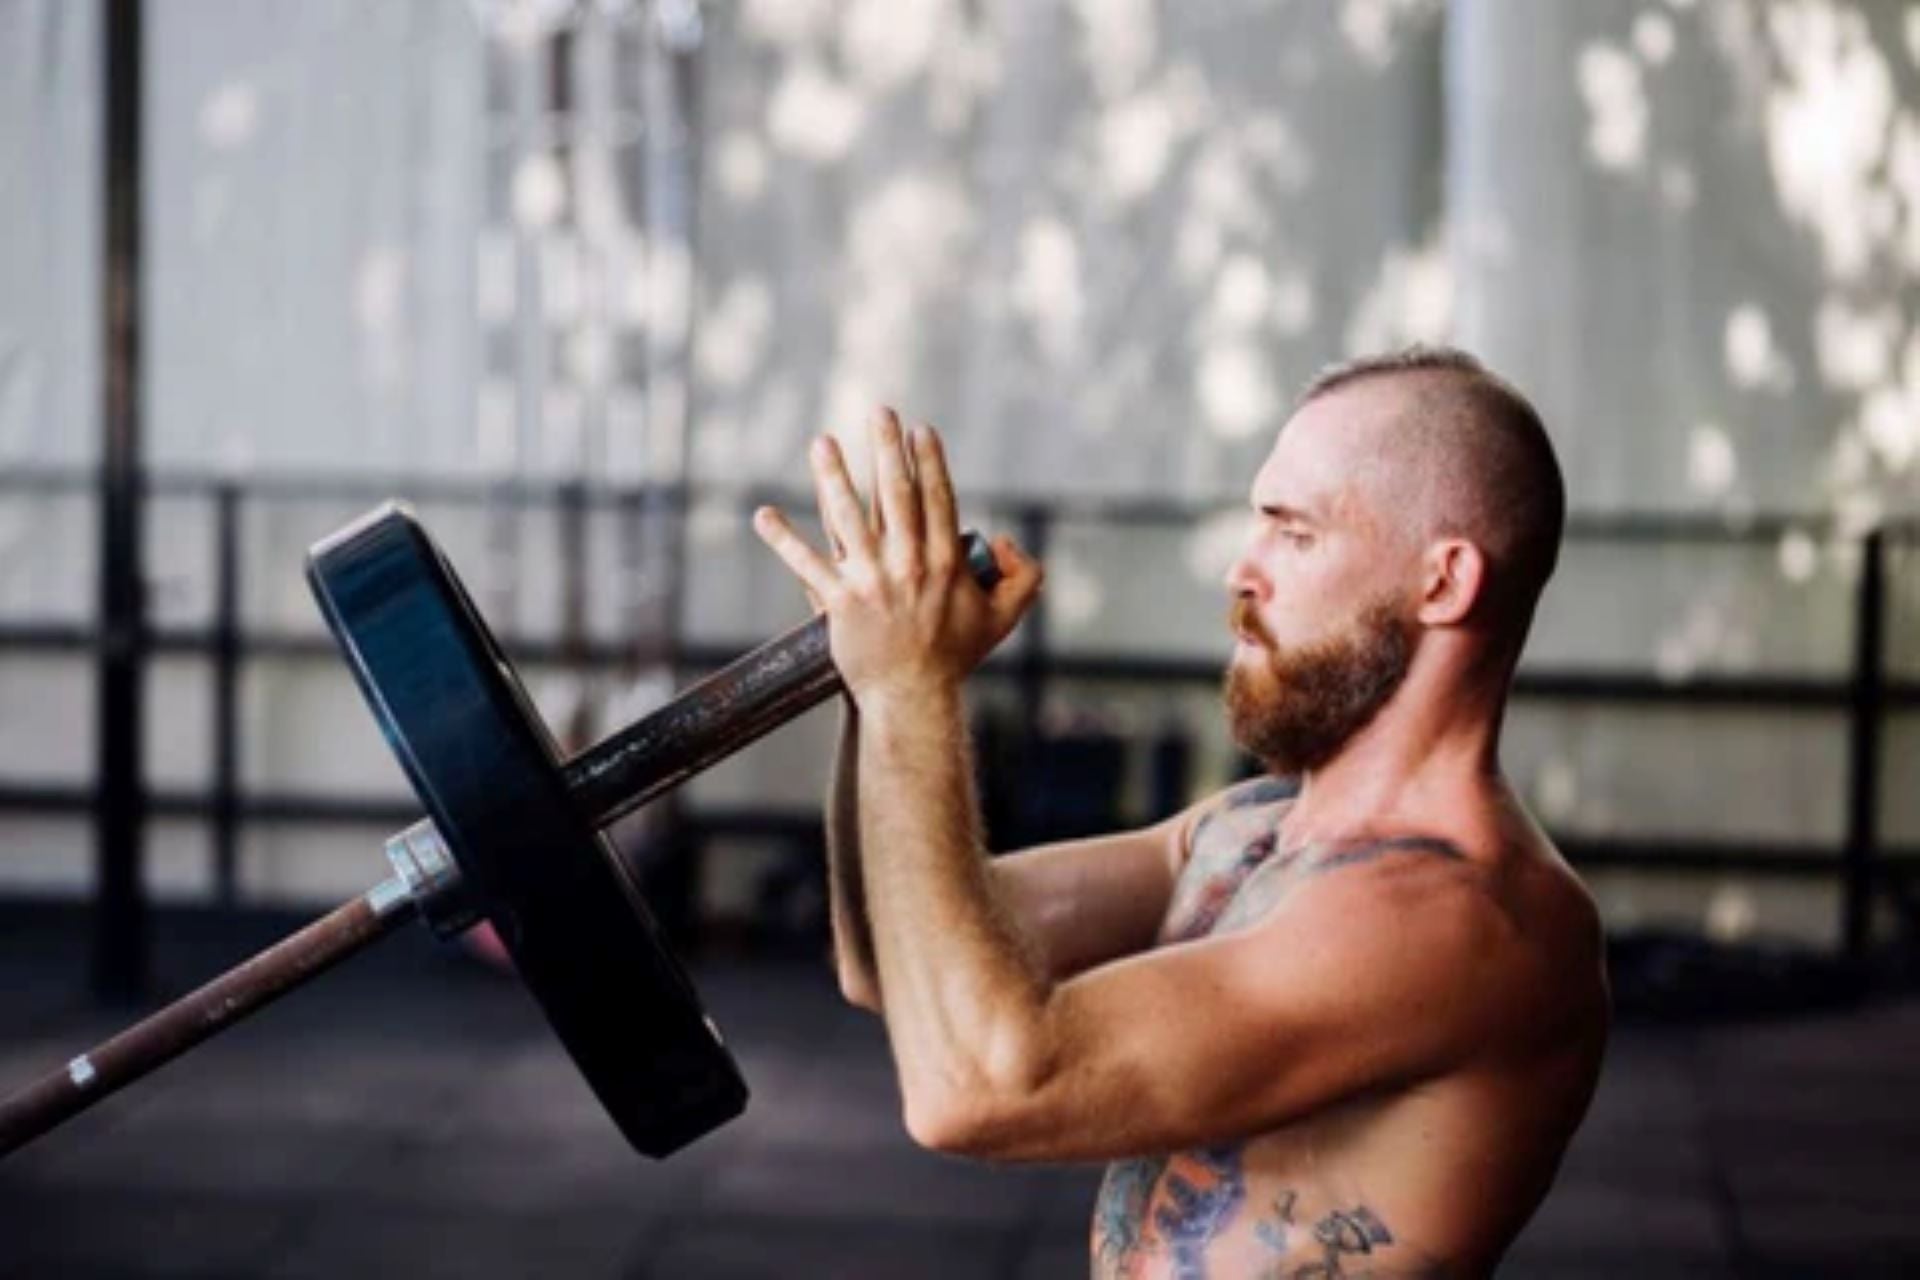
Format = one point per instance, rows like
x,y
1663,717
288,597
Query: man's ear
x,y
1453,577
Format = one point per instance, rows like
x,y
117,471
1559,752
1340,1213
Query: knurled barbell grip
x,y
213,1008
714,718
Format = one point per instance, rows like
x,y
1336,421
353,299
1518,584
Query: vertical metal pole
x,y
570,506
1863,754
226,685
119,943
575,654
672,194
670,103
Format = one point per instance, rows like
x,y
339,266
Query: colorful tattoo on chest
x,y
1120,1214
1198,1194
1248,795
1230,896
1267,790
1172,1210
1217,891
1199,1207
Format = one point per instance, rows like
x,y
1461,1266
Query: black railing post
x,y
226,691
1863,749
120,920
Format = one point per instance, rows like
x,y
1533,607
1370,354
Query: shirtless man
x,y
1340,1020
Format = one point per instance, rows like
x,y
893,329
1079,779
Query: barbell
x,y
513,834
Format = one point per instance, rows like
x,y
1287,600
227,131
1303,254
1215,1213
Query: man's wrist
x,y
919,697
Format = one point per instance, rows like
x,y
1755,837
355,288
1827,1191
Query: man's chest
x,y
1237,873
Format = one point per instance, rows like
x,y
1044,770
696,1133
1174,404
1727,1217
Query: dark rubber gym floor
x,y
409,1116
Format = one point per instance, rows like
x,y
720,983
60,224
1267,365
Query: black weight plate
x,y
486,769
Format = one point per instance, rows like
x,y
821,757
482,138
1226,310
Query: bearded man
x,y
1338,1020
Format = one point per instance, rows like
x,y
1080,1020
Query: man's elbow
x,y
981,1111
942,1120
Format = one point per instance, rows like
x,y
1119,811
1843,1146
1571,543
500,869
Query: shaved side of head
x,y
1468,457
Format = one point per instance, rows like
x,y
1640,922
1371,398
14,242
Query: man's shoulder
x,y
1479,867
1408,879
1514,921
1498,976
1478,904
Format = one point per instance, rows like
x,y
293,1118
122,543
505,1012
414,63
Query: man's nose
x,y
1245,579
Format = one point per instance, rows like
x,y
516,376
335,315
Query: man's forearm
x,y
852,939
964,991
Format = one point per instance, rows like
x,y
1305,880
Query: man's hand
x,y
905,618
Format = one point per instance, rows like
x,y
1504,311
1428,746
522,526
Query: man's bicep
x,y
1238,1034
1089,902
1086,902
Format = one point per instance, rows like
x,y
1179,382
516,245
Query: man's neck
x,y
1412,766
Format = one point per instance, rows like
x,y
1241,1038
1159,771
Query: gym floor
x,y
409,1115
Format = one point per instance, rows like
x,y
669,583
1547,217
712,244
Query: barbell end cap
x,y
984,569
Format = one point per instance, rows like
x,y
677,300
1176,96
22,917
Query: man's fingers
x,y
815,574
936,492
894,491
840,509
876,516
1020,578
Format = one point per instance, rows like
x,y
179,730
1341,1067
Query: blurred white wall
x,y
312,199
1099,243
49,198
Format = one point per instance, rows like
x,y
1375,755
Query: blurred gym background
x,y
578,278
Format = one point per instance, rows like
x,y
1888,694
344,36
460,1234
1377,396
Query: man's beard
x,y
1295,710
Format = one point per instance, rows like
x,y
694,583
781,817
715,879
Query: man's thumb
x,y
1020,573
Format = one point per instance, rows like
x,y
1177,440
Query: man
x,y
1339,1020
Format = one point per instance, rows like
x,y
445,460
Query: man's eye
x,y
1298,537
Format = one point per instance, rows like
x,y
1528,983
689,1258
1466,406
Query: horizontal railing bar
x,y
1655,853
1546,684
290,487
